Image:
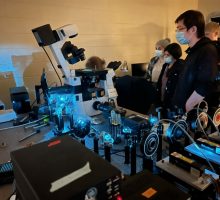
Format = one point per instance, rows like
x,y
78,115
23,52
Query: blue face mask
x,y
158,53
181,38
168,60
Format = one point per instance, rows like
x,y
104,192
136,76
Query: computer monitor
x,y
216,19
139,69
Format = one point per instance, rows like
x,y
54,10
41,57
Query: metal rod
x,y
127,155
96,144
107,149
31,134
133,159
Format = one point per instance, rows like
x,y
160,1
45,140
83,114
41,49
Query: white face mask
x,y
181,38
168,59
158,53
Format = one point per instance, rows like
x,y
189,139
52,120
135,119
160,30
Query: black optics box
x,y
186,163
147,186
20,99
63,169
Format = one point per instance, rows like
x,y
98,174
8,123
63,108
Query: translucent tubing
x,y
191,139
198,108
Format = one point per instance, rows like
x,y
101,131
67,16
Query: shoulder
x,y
208,54
179,64
180,61
217,45
177,67
154,59
203,52
208,46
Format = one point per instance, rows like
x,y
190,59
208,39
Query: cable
x,y
177,124
52,65
35,100
193,142
41,94
198,108
11,127
11,195
215,182
198,118
213,124
209,117
191,139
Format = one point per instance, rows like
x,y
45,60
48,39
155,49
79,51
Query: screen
x,y
139,69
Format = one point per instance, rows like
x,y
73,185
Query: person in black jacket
x,y
212,31
196,80
169,75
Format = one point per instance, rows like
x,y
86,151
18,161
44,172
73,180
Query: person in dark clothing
x,y
212,31
168,77
196,80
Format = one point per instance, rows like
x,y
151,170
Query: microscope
x,y
83,82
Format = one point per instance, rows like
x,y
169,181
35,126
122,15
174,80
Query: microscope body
x,y
87,86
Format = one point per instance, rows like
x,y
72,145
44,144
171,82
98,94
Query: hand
x,y
193,100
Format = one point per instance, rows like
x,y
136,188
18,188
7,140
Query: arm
x,y
205,74
193,100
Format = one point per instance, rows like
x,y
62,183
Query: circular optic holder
x,y
175,131
149,144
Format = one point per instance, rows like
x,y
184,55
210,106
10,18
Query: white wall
x,y
112,29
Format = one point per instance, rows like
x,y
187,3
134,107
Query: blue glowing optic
x,y
107,138
153,120
217,150
126,129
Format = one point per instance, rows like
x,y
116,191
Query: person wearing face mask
x,y
156,63
212,31
196,80
169,75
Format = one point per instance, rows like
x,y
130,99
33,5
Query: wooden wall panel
x,y
124,30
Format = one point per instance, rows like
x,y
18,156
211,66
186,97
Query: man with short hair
x,y
200,69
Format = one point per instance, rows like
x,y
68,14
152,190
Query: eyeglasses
x,y
166,54
179,29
